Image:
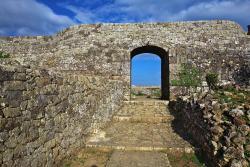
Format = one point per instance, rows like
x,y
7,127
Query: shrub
x,y
212,80
188,76
4,55
242,75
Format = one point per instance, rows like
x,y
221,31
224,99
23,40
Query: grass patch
x,y
184,159
156,93
88,157
4,55
67,164
232,96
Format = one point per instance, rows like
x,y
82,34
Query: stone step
x,y
140,136
90,157
149,119
147,102
144,111
143,148
138,159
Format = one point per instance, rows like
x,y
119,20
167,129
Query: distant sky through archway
x,y
146,70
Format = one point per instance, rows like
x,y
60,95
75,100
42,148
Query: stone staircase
x,y
144,112
141,131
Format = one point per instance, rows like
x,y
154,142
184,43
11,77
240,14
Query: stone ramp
x,y
140,135
138,159
141,125
144,111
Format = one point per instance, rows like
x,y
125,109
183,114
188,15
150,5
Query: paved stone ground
x,y
141,125
138,159
141,135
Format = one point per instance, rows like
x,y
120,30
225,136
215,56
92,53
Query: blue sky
x,y
146,70
43,17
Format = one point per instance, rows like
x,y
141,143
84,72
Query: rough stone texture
x,y
141,126
104,49
221,133
44,116
138,159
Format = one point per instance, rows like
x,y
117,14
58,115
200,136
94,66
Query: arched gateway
x,y
163,54
106,50
75,82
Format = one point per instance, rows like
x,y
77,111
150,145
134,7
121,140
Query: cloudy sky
x,y
40,17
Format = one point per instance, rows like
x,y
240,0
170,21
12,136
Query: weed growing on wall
x,y
212,80
242,75
188,76
4,55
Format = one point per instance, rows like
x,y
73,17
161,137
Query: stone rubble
x,y
222,133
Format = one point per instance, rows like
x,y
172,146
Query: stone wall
x,y
45,116
222,133
104,49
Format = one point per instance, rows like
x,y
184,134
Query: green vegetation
x,y
188,76
4,55
185,159
137,93
88,157
193,158
212,80
246,152
232,96
242,75
156,93
67,164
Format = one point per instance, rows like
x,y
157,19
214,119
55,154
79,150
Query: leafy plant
x,y
212,80
188,76
4,55
156,93
242,75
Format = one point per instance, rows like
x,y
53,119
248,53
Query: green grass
x,y
180,159
67,164
156,93
247,153
4,55
137,94
193,158
235,98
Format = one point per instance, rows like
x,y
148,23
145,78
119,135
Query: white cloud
x,y
28,17
82,15
171,10
233,10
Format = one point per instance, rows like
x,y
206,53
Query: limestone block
x,y
14,85
12,112
20,76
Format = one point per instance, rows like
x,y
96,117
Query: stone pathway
x,y
141,125
141,135
138,159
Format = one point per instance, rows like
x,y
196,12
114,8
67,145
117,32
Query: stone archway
x,y
164,55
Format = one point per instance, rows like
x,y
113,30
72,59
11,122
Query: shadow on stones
x,y
178,126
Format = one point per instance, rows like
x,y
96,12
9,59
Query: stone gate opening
x,y
164,56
